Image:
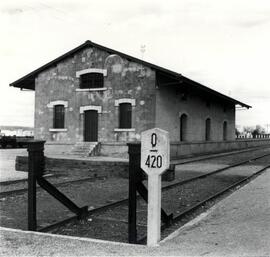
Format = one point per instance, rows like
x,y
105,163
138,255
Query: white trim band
x,y
91,70
91,89
58,102
124,130
90,107
125,100
57,129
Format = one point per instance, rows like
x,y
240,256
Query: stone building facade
x,y
131,96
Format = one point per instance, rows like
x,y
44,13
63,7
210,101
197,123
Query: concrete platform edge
x,y
189,224
90,240
208,212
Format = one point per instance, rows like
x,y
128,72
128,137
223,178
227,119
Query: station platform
x,y
239,225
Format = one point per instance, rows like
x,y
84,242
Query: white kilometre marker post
x,y
155,159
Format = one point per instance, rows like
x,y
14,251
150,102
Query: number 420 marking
x,y
154,161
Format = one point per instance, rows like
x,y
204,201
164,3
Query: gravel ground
x,y
112,224
174,201
49,210
236,226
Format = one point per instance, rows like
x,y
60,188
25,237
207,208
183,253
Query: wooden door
x,y
91,126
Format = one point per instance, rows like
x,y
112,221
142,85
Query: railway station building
x,y
94,95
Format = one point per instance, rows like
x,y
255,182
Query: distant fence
x,y
253,136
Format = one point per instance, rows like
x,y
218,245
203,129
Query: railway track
x,y
214,156
175,162
188,210
212,172
209,199
24,190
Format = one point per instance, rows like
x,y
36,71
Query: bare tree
x,y
258,131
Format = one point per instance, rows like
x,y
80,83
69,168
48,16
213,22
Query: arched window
x,y
125,115
183,127
91,80
208,129
59,116
225,130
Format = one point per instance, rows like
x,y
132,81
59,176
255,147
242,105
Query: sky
x,y
224,44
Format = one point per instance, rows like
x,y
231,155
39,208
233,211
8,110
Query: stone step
x,y
84,148
85,143
74,152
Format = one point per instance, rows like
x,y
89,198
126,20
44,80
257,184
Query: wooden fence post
x,y
36,163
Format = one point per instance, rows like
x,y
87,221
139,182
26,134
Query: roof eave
x,y
28,81
207,89
33,74
18,83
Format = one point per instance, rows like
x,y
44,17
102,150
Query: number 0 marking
x,y
159,161
154,139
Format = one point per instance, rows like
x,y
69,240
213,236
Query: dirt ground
x,y
7,164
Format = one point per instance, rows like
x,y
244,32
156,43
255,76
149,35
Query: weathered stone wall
x,y
180,149
124,79
114,149
170,106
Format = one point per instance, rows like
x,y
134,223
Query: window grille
x,y
91,80
208,129
59,116
125,115
225,130
183,127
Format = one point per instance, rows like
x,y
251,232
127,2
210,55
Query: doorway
x,y
225,130
91,126
208,129
183,127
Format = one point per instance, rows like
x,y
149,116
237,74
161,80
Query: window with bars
x,y
59,116
91,80
125,115
225,130
208,129
183,127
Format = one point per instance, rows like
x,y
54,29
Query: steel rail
x,y
214,156
205,201
165,188
24,180
23,190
